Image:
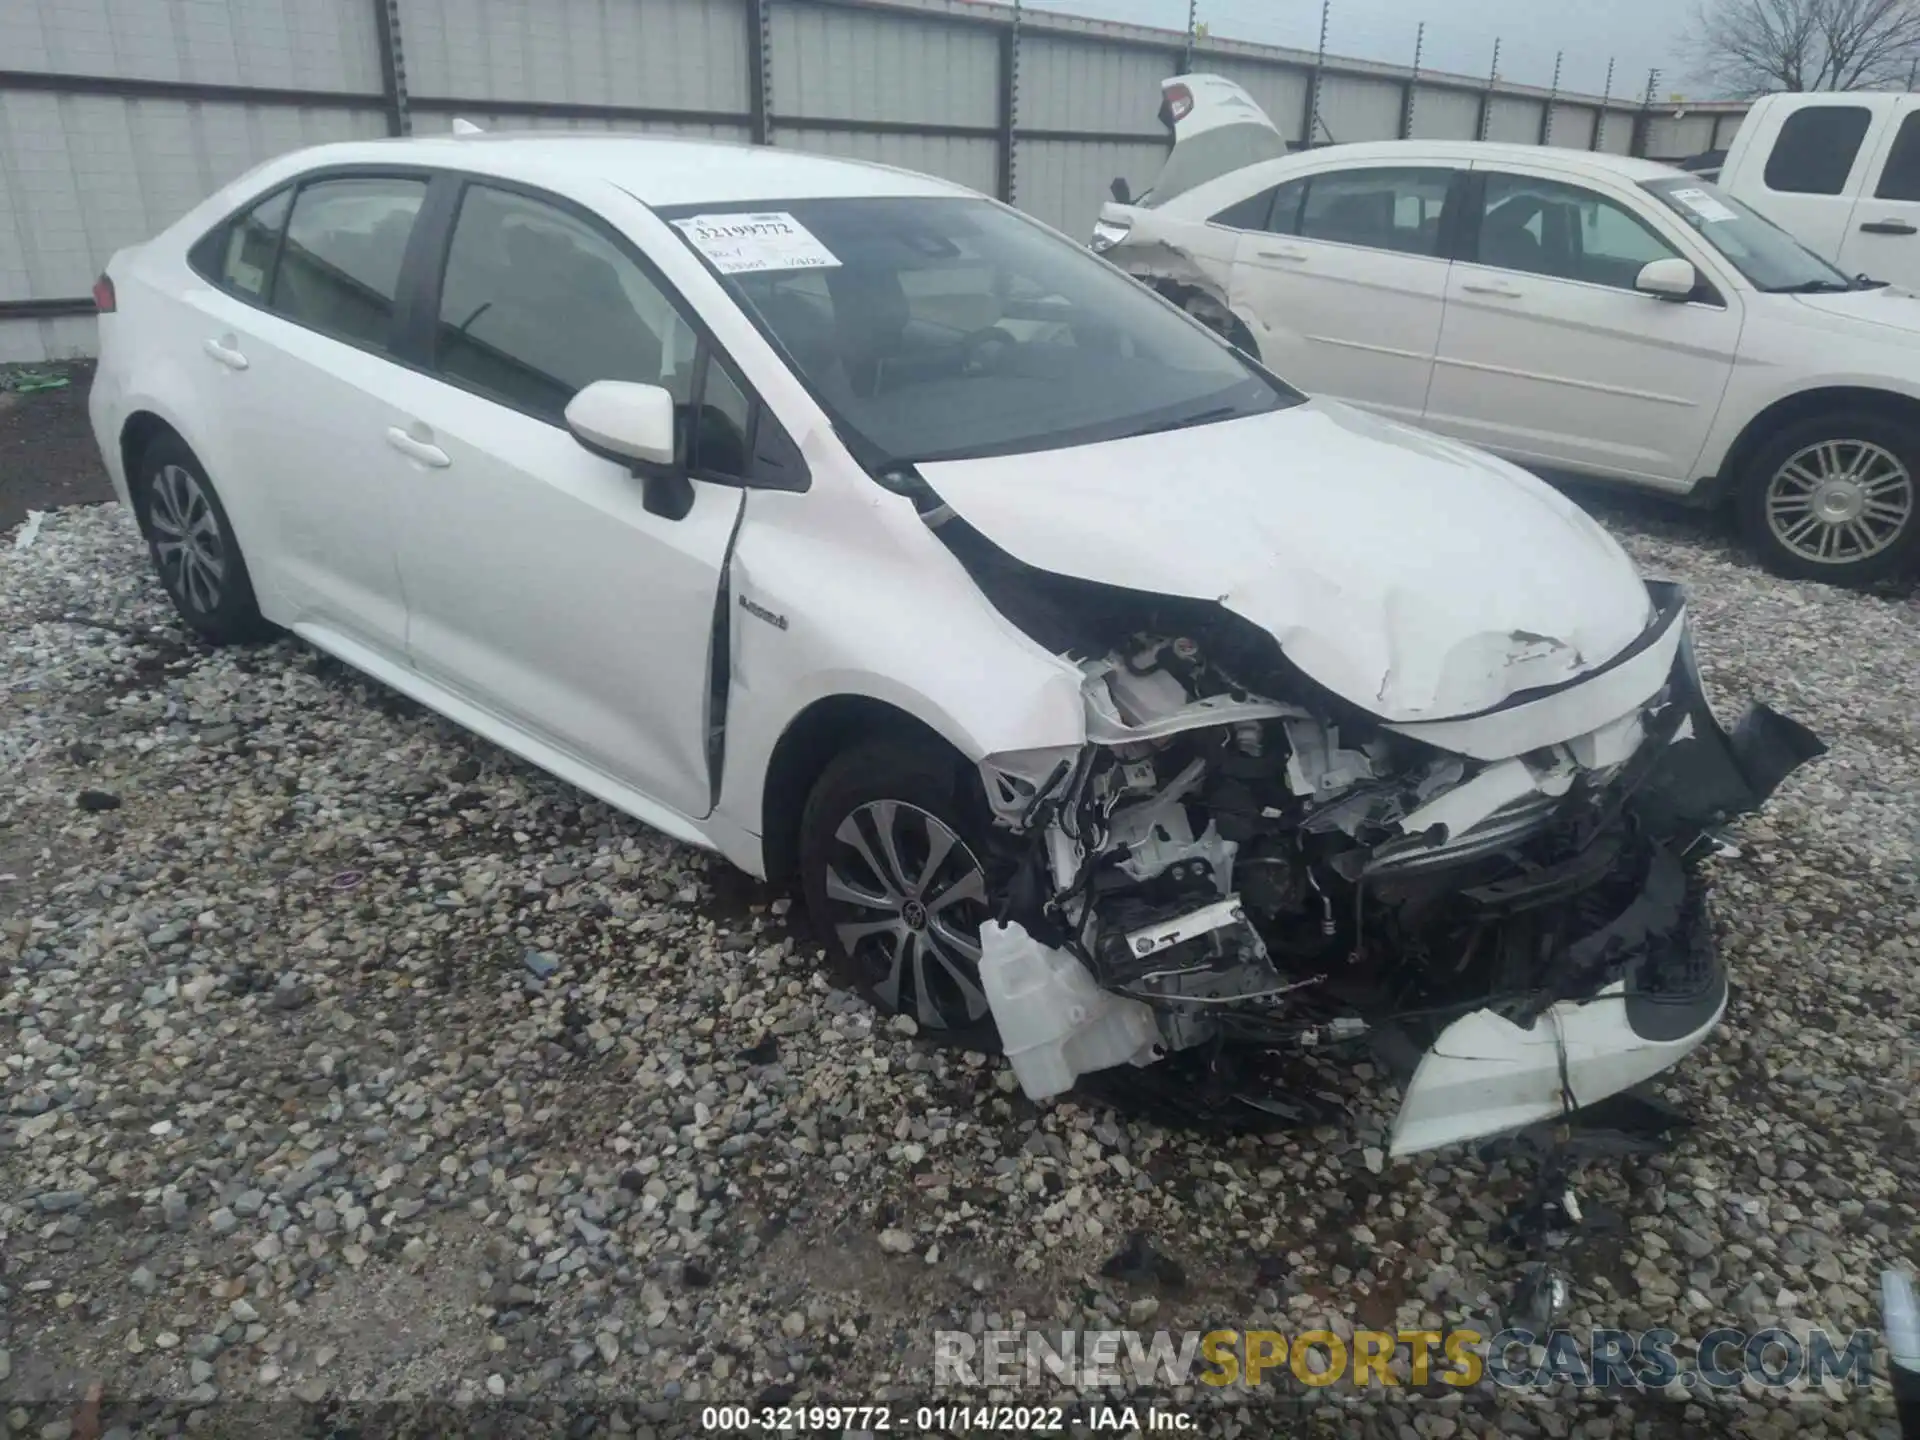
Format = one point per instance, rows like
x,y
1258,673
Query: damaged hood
x,y
1412,576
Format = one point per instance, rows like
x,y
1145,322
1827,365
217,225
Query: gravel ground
x,y
344,1058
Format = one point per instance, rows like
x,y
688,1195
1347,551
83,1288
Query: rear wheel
x,y
193,545
893,851
1836,498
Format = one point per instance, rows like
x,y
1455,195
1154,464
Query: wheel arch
x,y
137,433
1805,405
811,740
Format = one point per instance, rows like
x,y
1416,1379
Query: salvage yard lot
x,y
346,1056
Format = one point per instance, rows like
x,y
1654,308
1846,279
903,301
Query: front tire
x,y
193,546
1836,498
893,852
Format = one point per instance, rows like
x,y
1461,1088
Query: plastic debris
x,y
28,382
30,531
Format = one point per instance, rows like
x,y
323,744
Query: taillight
x,y
103,297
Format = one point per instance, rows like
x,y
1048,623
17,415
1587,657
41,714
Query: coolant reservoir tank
x,y
1055,1021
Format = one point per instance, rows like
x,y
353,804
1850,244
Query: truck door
x,y
1882,238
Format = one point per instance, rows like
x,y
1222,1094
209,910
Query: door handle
x,y
427,454
1888,227
1298,257
227,353
1505,292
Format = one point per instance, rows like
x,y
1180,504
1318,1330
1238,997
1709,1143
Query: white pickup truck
x,y
1840,172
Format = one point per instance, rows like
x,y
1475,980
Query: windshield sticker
x,y
1704,205
741,244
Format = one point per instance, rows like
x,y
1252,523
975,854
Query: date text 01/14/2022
x,y
841,1420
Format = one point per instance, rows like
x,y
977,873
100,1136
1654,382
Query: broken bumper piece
x,y
1495,1070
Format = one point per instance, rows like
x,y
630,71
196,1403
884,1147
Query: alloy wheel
x,y
1839,502
906,899
186,538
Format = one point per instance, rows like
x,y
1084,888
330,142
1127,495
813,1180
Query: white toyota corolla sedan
x,y
1104,695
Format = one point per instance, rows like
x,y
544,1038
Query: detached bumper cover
x,y
1491,1072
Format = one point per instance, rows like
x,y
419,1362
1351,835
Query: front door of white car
x,y
539,584
1347,277
1550,356
295,332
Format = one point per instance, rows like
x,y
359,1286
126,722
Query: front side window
x,y
1544,227
1755,246
537,304
935,328
1382,209
339,268
1815,149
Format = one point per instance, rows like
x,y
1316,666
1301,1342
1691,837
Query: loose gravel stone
x,y
405,1164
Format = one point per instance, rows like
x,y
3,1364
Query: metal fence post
x,y
393,66
1553,100
1009,104
1311,120
760,71
1644,119
1486,95
1606,105
1413,84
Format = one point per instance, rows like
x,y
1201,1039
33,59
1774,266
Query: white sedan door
x,y
539,584
295,335
1348,282
1549,356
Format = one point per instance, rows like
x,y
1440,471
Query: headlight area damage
x,y
1238,865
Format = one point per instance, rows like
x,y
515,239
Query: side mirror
x,y
1120,190
632,425
624,422
1668,279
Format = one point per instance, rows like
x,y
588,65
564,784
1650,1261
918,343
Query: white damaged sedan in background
x,y
1105,695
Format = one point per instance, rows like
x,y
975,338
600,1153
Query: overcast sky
x,y
1637,33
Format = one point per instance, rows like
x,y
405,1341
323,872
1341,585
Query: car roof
x,y
655,169
1627,167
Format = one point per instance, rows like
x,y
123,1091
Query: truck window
x,y
1815,149
1901,178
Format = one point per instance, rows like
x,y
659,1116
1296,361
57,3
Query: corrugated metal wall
x,y
1445,114
117,115
1355,109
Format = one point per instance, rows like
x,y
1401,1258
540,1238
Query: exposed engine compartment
x,y
1242,863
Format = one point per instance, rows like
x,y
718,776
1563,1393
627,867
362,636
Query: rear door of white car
x,y
1549,355
1349,277
293,341
539,584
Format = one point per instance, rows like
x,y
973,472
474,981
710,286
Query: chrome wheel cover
x,y
186,539
906,898
1839,502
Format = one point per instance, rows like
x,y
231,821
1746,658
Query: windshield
x,y
1763,252
937,329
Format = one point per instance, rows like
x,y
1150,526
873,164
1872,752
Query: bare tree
x,y
1749,47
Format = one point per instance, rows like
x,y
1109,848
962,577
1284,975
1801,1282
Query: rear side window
x,y
1900,180
1250,213
339,269
537,305
1815,149
1383,209
239,256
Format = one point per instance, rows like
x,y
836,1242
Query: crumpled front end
x,y
1508,908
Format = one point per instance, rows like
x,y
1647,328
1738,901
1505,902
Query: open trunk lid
x,y
1217,129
